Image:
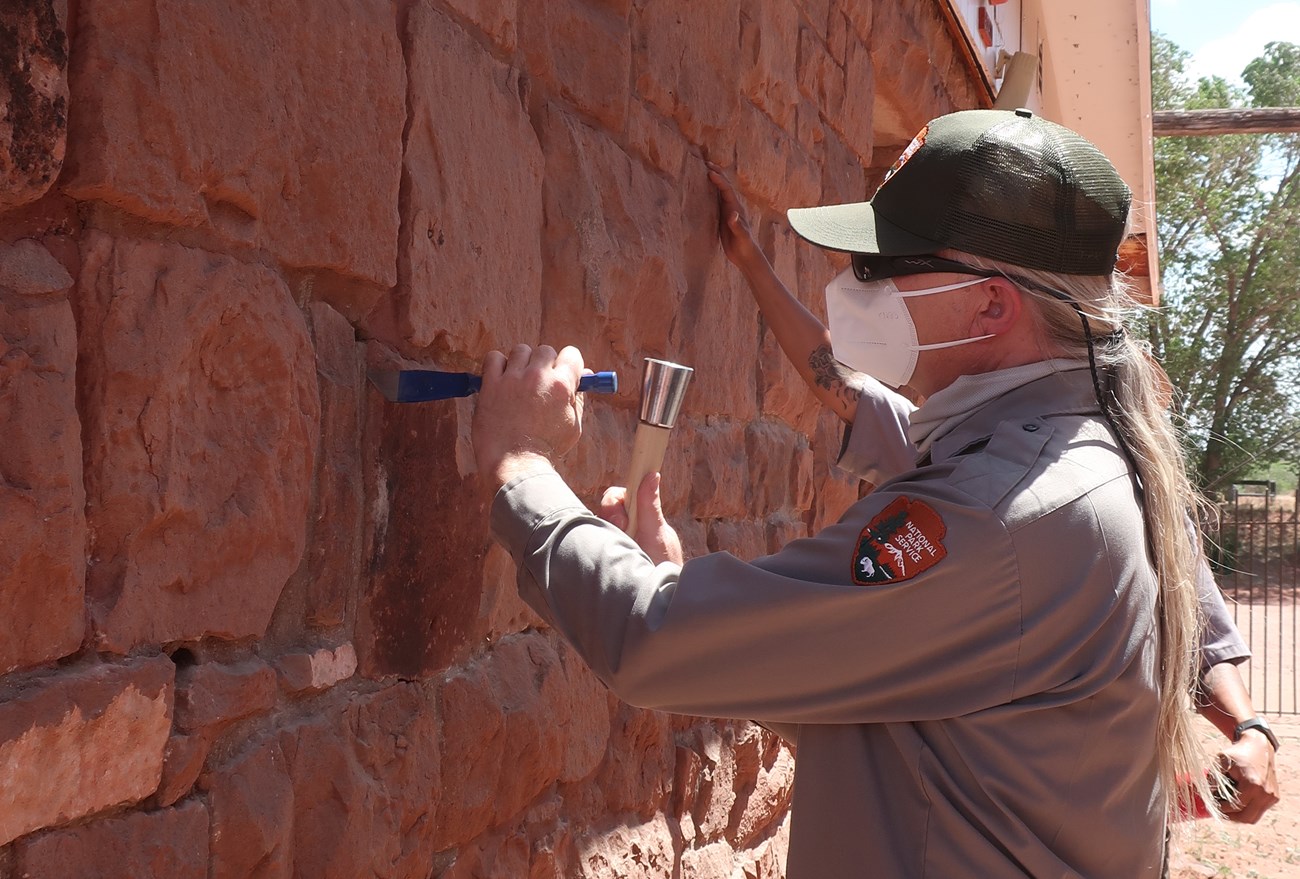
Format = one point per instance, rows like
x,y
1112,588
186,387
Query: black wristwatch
x,y
1259,724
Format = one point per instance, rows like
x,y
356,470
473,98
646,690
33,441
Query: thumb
x,y
649,504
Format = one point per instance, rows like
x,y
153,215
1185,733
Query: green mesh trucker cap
x,y
1002,184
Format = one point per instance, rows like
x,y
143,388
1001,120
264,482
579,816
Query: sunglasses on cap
x,y
875,266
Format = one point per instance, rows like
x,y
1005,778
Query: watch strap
x,y
1257,723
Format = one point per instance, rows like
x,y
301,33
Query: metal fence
x,y
1255,553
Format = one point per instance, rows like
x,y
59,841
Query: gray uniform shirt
x,y
877,448
969,655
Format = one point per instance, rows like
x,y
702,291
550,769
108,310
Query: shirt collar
x,y
1065,389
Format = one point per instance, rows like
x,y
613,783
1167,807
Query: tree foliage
x,y
1229,226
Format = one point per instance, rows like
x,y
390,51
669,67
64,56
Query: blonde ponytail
x,y
1136,396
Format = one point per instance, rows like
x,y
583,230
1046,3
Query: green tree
x,y
1228,215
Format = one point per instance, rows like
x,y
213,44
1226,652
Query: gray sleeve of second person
x,y
876,446
1220,642
787,638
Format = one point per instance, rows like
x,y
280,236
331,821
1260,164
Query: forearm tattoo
x,y
834,376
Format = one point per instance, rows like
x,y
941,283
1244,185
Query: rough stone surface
x,y
42,499
251,798
333,562
318,669
74,743
470,145
280,131
513,724
182,762
364,781
583,53
171,843
28,269
420,611
685,64
212,694
613,237
33,98
201,418
255,207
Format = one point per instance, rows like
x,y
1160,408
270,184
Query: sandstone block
x,y
470,258
821,78
503,611
716,859
213,694
318,669
333,563
684,64
629,851
764,797
473,750
638,769
498,19
34,93
201,415
909,90
859,16
42,494
720,478
182,762
778,459
655,139
420,611
364,781
504,731
171,843
27,269
745,540
772,167
280,131
782,529
879,117
719,323
251,799
612,279
582,53
581,708
82,740
769,40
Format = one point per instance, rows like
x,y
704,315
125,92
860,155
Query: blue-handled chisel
x,y
419,385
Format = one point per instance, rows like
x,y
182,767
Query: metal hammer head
x,y
663,386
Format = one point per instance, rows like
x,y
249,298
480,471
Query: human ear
x,y
1000,309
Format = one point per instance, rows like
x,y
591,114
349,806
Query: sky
x,y
1225,35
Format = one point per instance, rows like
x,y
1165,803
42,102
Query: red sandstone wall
x,y
251,623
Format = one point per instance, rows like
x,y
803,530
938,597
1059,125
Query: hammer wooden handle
x,y
647,457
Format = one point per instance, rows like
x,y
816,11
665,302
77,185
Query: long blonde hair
x,y
1136,397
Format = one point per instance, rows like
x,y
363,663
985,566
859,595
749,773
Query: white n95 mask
x,y
872,330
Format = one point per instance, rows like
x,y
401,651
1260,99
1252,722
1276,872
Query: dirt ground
x,y
1267,850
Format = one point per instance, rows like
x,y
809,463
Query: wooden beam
x,y
1200,123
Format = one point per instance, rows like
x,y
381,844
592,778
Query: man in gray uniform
x,y
973,654
878,447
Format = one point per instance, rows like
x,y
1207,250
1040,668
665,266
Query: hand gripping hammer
x,y
663,386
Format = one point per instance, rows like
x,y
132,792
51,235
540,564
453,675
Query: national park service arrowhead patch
x,y
905,539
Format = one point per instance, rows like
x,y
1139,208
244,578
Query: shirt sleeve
x,y
792,637
1220,641
876,447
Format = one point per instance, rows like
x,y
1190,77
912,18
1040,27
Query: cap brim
x,y
856,228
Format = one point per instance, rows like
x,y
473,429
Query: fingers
x,y
570,359
494,363
612,508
